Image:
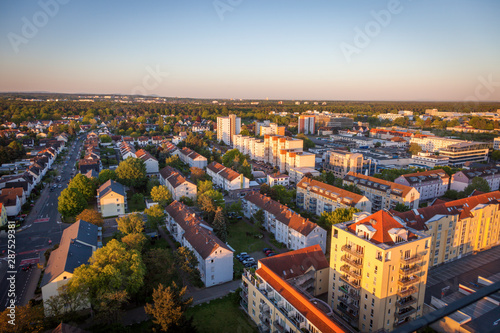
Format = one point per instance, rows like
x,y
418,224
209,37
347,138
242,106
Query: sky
x,y
415,50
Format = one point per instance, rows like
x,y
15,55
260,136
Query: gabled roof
x,y
19,191
224,172
110,186
416,218
144,155
382,222
372,182
480,172
173,176
282,213
92,173
425,176
72,252
191,153
331,192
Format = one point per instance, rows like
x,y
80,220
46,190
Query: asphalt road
x,y
34,240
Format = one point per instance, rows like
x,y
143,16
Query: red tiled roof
x,y
144,155
316,186
403,188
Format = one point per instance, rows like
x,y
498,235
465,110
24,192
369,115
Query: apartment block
x,y
462,179
296,174
383,194
307,124
177,185
496,143
287,226
430,160
152,167
278,179
317,197
341,162
268,128
458,228
464,152
250,146
384,134
378,271
191,158
433,143
215,258
111,199
227,127
430,184
278,296
226,178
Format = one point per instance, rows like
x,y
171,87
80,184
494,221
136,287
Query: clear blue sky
x,y
293,49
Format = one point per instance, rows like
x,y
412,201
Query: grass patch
x,y
240,242
207,317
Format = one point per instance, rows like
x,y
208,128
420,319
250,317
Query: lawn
x,y
221,315
240,241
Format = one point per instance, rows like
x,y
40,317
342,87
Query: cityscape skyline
x,y
384,51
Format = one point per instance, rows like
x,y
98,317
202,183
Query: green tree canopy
x,y
132,172
106,175
308,143
83,185
156,216
479,184
131,223
339,215
71,202
162,195
220,225
414,149
91,216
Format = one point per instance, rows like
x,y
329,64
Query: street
x,y
40,228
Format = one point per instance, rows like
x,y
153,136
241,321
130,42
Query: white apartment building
x,y
496,143
341,162
226,178
307,124
227,127
191,158
433,143
177,185
152,167
430,184
390,116
296,174
215,258
429,160
462,179
278,179
268,128
287,226
317,197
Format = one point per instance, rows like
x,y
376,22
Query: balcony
x,y
352,262
264,308
407,292
243,294
278,327
244,304
346,269
352,251
405,313
412,259
264,328
346,301
407,301
349,313
410,270
354,284
404,282
350,293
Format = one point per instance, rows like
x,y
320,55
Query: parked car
x,y
269,251
243,258
249,261
249,264
271,254
241,254
266,249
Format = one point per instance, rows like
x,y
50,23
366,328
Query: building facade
x,y
296,174
378,271
191,158
111,199
176,184
462,179
430,160
383,194
227,127
152,167
278,179
464,152
307,124
342,162
430,184
226,178
317,197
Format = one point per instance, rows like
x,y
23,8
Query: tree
x,y
308,143
197,174
414,149
259,217
156,216
479,184
106,175
495,155
168,306
27,318
209,201
186,259
236,208
65,304
132,172
281,194
160,267
205,186
220,225
105,138
71,202
110,304
401,207
162,195
339,215
132,223
91,216
84,185
112,268
134,241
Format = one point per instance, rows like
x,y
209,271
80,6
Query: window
x,y
253,303
371,313
440,227
253,312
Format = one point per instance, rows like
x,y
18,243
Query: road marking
x,y
42,220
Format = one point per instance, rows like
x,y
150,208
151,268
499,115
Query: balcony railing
x,y
243,294
348,312
353,283
351,262
412,259
350,293
354,252
407,292
346,269
404,302
410,270
404,282
405,313
264,327
263,308
278,327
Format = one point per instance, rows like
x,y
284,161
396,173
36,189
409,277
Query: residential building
x,y
78,242
317,197
462,179
11,203
3,215
429,160
378,271
86,165
19,191
227,127
126,149
111,199
287,226
268,128
340,122
458,228
382,193
496,143
151,162
177,185
191,158
384,134
341,162
215,258
390,116
278,179
306,124
461,153
433,143
430,184
296,174
226,178
282,294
